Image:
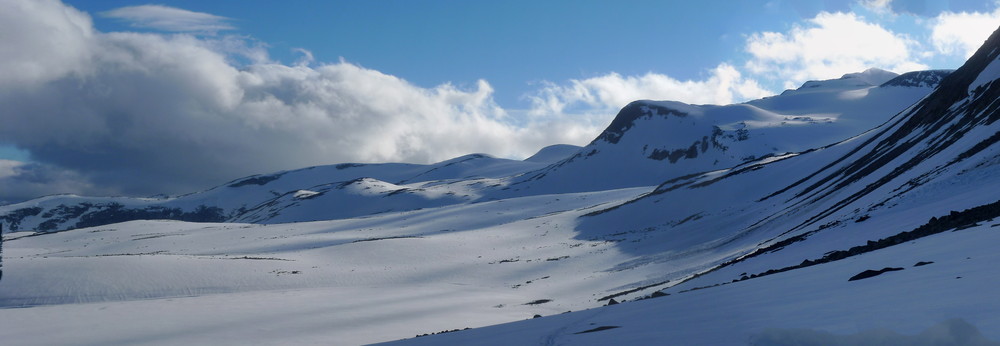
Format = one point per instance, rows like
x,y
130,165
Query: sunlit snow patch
x,y
303,194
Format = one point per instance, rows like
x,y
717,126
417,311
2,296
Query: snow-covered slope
x,y
889,227
553,153
652,141
933,158
263,198
946,302
378,278
647,143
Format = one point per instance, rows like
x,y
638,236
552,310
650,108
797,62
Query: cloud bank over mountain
x,y
114,112
830,44
124,109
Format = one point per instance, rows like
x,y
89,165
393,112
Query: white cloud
x,y
306,59
962,33
41,40
140,113
612,91
830,45
167,18
145,113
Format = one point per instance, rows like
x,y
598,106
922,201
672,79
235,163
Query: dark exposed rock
x,y
926,79
349,165
955,220
116,213
448,331
96,214
637,289
674,155
63,213
387,238
629,114
256,180
538,301
597,329
14,218
873,273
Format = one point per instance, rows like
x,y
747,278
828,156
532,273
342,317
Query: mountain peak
x,y
553,153
918,79
634,110
851,81
872,76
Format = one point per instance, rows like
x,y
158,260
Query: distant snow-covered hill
x,y
648,142
861,209
297,195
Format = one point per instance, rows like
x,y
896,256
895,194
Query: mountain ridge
x,y
829,209
802,246
518,178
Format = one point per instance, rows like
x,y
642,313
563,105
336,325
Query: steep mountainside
x,y
648,142
764,222
927,161
814,239
651,141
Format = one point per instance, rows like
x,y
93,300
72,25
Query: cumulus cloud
x,y
150,113
166,18
40,41
829,45
962,33
142,113
610,92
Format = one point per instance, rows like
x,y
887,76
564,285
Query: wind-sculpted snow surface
x,y
846,210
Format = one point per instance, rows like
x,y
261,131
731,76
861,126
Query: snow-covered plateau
x,y
863,209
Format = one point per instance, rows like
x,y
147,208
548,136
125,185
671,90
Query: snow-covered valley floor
x,y
351,281
395,276
952,301
706,230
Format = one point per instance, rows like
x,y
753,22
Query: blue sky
x,y
516,44
137,98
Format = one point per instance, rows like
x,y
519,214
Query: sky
x,y
125,97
